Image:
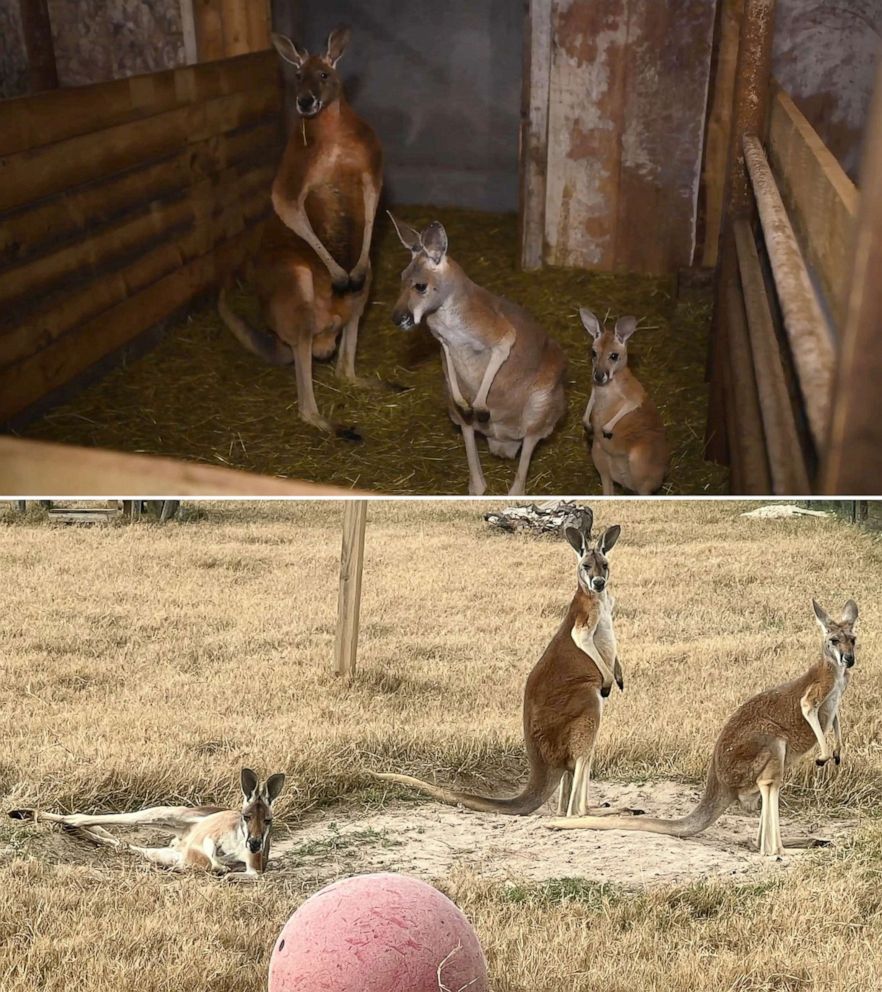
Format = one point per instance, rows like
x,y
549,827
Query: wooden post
x,y
534,131
188,29
749,112
349,599
854,451
37,31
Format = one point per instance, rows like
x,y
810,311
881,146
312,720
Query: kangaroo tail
x,y
543,781
264,344
715,801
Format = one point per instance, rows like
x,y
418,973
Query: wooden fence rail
x,y
106,231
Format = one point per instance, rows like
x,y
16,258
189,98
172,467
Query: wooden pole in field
x,y
349,599
37,31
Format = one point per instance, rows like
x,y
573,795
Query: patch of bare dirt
x,y
429,841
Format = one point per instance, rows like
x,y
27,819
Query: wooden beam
x,y
854,454
821,200
188,29
786,460
37,31
349,599
209,22
719,128
39,468
534,132
743,417
810,341
752,89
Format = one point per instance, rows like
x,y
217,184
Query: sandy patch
x,y
429,841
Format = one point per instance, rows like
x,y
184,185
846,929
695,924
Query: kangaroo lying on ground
x,y
207,837
563,698
312,270
761,740
504,374
628,443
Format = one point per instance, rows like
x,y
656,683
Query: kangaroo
x,y
761,740
208,837
504,374
628,443
312,271
563,698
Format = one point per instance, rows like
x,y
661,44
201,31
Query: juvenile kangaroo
x,y
504,374
628,443
563,698
312,270
207,837
761,740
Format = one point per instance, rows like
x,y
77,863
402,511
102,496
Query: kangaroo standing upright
x,y
312,270
504,374
563,698
761,740
628,443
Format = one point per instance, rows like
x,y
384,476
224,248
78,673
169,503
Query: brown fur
x,y
562,711
756,746
330,161
635,454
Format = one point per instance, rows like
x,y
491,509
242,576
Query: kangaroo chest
x,y
468,355
608,400
828,709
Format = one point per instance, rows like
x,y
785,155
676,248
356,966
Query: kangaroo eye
x,y
614,357
420,287
324,75
593,353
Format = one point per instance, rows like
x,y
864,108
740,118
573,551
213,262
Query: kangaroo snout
x,y
848,659
598,583
402,319
254,844
307,105
599,377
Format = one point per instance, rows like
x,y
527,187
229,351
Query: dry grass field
x,y
146,663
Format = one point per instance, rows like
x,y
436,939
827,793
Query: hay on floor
x,y
199,395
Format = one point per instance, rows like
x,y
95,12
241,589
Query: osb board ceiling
x,y
627,100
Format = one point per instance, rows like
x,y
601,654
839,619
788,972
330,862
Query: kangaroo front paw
x,y
607,434
482,414
605,690
340,282
620,682
837,756
820,762
466,412
357,278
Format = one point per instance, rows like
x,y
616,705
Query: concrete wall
x,y
441,85
825,57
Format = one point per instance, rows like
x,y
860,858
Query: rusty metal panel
x,y
627,104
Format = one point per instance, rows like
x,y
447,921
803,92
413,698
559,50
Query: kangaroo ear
x,y
590,322
608,538
625,327
274,785
850,612
338,39
249,783
407,236
576,539
822,616
434,240
288,50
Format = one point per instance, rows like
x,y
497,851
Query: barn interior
x,y
707,165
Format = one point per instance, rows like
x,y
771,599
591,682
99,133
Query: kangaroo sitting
x,y
563,698
312,270
207,837
628,443
504,374
761,740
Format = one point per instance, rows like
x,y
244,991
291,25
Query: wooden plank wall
x,y
821,200
105,231
627,100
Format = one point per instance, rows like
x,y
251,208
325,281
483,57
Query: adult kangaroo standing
x,y
312,271
761,740
504,374
563,698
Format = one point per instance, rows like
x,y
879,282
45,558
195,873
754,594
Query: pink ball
x,y
377,933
